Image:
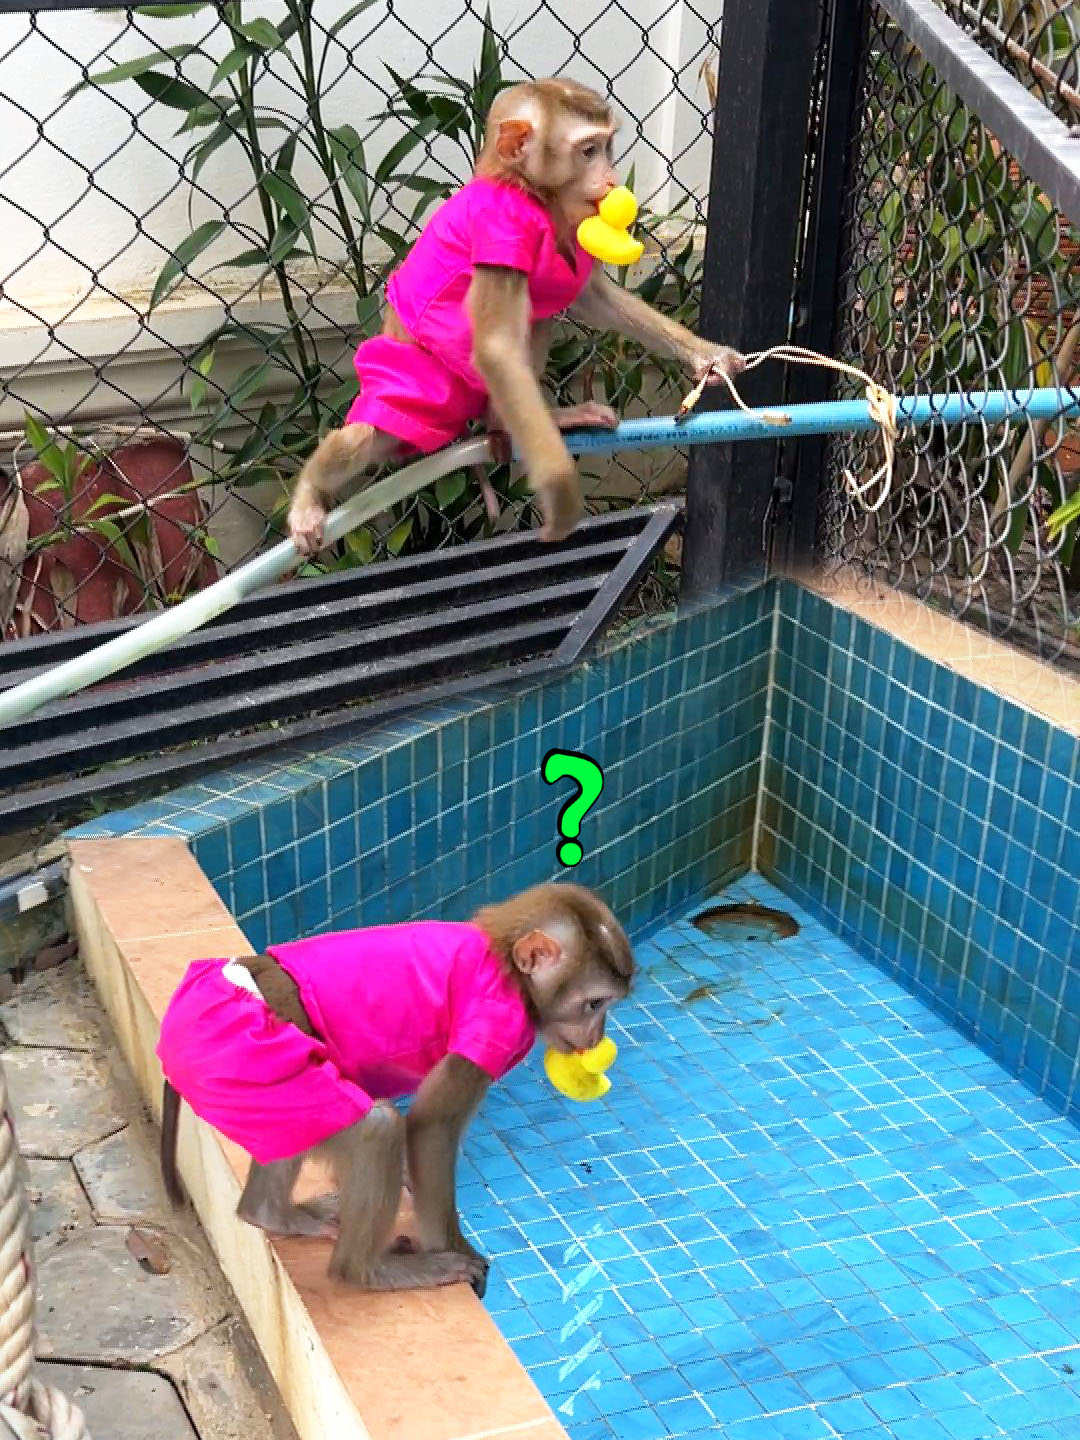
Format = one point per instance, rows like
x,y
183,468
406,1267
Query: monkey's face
x,y
571,993
577,164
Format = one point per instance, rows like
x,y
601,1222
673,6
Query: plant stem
x,y
258,165
301,9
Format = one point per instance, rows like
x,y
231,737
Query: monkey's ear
x,y
535,951
512,139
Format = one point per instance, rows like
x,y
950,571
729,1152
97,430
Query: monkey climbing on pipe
x,y
301,1050
469,312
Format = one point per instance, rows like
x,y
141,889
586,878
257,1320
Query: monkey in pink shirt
x,y
306,1047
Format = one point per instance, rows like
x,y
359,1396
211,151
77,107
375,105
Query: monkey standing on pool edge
x,y
301,1050
469,312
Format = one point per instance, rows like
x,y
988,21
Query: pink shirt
x,y
484,223
391,1001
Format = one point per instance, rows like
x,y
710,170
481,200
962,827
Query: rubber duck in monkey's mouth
x,y
604,235
580,1075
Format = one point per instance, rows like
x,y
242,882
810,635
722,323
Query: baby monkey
x,y
469,312
302,1049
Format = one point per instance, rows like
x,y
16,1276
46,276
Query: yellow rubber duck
x,y
580,1076
604,235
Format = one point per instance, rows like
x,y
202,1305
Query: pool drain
x,y
742,923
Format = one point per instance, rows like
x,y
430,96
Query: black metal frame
x,y
764,93
390,637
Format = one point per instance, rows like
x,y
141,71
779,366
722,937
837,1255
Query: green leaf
x,y
395,541
367,315
449,488
350,14
348,153
117,540
198,385
107,501
206,148
263,33
183,255
130,68
390,161
1064,515
45,447
247,258
283,189
203,115
170,12
172,91
236,59
284,241
285,156
249,381
360,546
415,99
489,76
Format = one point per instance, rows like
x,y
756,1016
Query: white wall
x,y
95,250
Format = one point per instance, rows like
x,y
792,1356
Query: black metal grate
x,y
961,273
311,660
199,205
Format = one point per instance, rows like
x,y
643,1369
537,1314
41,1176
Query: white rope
x,y
883,406
29,1409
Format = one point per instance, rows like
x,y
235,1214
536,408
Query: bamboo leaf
x,y
198,384
360,546
348,150
118,541
1064,515
263,33
284,240
45,447
171,90
170,12
182,256
282,188
130,68
236,59
415,99
393,157
350,14
206,148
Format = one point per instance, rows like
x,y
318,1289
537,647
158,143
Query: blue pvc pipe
x,y
712,427
719,427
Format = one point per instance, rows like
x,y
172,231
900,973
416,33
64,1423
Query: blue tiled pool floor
x,y
808,1208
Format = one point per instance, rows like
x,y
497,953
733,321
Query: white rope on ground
x,y
28,1408
883,405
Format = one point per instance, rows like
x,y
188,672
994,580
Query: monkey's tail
x,y
170,1120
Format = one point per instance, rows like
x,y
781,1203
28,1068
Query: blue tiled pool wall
x,y
932,823
935,826
432,817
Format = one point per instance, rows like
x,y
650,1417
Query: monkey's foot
x,y
319,1218
582,417
424,1270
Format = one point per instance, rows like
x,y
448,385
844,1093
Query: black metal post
x,y
818,294
767,50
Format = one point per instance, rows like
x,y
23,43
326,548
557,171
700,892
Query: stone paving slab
x,y
58,1008
61,1100
97,1301
123,1404
57,1202
122,1181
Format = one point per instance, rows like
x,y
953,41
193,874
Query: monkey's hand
x,y
559,492
711,363
307,516
583,417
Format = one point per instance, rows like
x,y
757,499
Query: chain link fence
x,y
199,205
960,274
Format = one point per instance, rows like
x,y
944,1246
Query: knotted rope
x,y
29,1409
883,405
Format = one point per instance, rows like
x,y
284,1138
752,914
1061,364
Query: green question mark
x,y
558,764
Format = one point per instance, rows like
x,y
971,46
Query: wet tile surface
x,y
808,1208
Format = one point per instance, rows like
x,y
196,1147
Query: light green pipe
x,y
154,634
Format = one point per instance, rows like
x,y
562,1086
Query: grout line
x,y
766,730
519,1428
